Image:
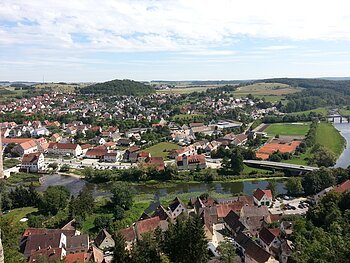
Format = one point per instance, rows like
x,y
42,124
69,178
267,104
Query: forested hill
x,y
118,87
339,85
316,93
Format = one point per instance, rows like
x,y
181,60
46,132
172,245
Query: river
x,y
344,129
74,185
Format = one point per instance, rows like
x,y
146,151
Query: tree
x,y
122,196
54,199
273,187
315,181
146,251
237,165
65,168
103,221
120,254
323,157
294,186
227,252
82,205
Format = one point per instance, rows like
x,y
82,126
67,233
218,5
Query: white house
x,y
64,149
176,208
262,197
32,162
41,132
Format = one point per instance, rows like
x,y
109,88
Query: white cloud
x,y
169,25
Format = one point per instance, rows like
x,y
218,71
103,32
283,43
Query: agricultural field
x,y
288,129
10,93
328,136
266,89
188,117
162,149
187,89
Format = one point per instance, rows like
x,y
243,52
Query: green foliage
x,y
120,254
122,196
23,197
82,205
118,87
227,252
236,164
103,221
54,199
294,186
322,157
146,250
185,242
318,180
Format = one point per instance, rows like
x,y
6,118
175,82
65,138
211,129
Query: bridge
x,y
295,168
340,117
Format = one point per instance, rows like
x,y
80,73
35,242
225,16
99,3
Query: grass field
x,y
267,89
19,213
162,149
188,117
9,93
8,163
328,136
290,129
322,111
344,112
301,159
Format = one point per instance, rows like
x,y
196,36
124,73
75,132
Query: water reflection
x,y
74,185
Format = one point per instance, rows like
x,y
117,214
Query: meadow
x,y
328,136
161,149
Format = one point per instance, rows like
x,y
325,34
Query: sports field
x,y
289,129
162,149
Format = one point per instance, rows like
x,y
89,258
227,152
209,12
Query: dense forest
x,y
118,87
317,93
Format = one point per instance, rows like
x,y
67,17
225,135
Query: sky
x,y
99,40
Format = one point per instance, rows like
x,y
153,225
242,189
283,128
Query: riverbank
x,y
328,136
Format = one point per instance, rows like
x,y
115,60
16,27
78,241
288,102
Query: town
x,y
120,142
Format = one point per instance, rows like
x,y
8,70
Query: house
x,y
252,252
64,149
269,239
96,153
176,208
142,156
149,225
233,223
154,162
98,140
41,132
26,147
32,162
51,254
80,257
128,152
129,236
77,243
262,197
254,218
125,142
191,162
111,157
55,137
104,240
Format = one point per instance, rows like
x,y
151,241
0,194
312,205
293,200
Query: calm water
x,y
344,128
75,185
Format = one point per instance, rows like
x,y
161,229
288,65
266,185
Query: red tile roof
x,y
147,225
343,187
259,194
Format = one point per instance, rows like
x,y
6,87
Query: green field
x,y
344,112
266,89
328,136
162,149
19,213
187,89
322,111
188,117
290,129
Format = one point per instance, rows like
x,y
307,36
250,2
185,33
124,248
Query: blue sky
x,y
98,40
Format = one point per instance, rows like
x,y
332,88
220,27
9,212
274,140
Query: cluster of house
x,y
65,244
244,220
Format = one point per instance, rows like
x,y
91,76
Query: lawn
x,y
301,159
344,112
328,136
25,178
9,163
19,213
289,129
162,149
322,111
